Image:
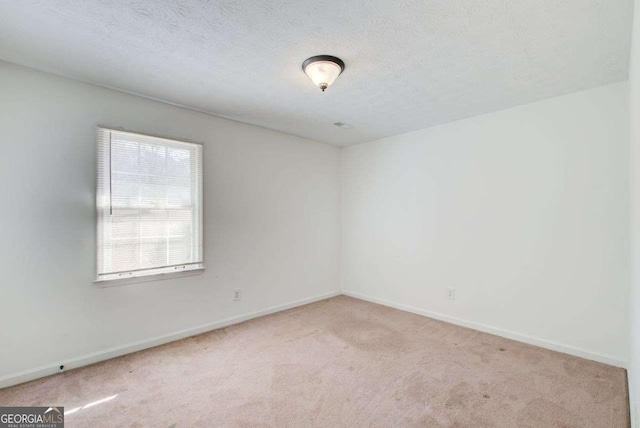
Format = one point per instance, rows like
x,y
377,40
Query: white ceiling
x,y
410,64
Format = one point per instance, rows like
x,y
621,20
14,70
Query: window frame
x,y
153,274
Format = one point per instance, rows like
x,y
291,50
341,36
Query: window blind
x,y
149,202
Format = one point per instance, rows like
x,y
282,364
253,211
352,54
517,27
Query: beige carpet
x,y
341,362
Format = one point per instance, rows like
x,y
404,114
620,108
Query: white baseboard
x,y
543,343
27,375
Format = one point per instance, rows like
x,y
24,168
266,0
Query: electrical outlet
x,y
236,295
451,293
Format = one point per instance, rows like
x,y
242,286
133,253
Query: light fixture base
x,y
328,58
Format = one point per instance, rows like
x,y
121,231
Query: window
x,y
149,204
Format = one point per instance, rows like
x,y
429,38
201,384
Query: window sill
x,y
148,278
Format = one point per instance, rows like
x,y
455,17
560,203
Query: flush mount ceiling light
x,y
323,69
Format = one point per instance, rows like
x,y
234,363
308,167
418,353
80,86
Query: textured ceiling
x,y
410,64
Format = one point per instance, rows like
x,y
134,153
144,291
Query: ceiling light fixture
x,y
323,69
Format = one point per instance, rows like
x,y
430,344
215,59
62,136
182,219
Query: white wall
x,y
271,224
524,212
634,103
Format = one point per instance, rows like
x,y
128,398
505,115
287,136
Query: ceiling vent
x,y
343,125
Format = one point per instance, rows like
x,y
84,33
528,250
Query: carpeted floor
x,y
341,362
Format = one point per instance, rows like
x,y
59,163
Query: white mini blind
x,y
149,203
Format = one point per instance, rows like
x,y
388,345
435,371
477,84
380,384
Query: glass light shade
x,y
323,73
